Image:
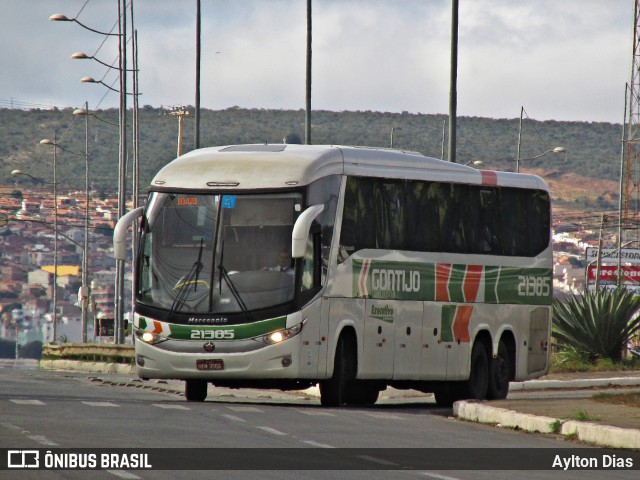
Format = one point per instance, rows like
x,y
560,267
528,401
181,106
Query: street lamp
x,y
84,56
84,291
59,17
475,163
551,150
81,111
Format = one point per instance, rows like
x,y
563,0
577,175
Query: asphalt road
x,y
40,410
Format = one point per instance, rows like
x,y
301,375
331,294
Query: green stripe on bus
x,y
446,322
491,275
385,280
456,283
240,332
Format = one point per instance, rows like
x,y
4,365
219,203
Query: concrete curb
x,y
572,384
477,412
83,366
600,435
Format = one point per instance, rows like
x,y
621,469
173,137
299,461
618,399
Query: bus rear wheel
x,y
478,383
195,390
499,374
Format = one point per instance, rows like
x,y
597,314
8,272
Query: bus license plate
x,y
210,364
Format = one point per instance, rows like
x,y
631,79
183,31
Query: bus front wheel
x,y
333,392
195,390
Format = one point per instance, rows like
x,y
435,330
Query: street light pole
x,y
85,254
519,139
122,168
55,237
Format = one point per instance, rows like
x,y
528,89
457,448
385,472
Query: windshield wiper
x,y
190,279
232,288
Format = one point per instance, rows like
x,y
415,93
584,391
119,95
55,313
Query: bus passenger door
x,y
434,352
310,340
379,339
408,341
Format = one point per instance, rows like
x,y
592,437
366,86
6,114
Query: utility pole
x,y
599,262
307,117
196,143
453,94
519,141
180,113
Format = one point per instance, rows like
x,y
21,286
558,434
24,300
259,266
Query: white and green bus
x,y
287,266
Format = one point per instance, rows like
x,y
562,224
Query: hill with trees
x,y
592,149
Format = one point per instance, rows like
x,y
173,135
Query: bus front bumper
x,y
278,361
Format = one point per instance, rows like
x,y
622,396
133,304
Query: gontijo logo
x,y
385,282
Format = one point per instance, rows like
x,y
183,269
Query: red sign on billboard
x,y
609,273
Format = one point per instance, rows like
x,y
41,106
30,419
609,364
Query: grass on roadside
x,y
628,399
560,364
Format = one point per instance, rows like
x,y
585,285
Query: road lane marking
x,y
27,402
272,430
42,440
100,404
245,409
385,416
319,413
123,474
233,417
170,406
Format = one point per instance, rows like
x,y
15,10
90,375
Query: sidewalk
x,y
575,417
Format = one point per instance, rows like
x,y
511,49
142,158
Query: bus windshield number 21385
x,y
288,266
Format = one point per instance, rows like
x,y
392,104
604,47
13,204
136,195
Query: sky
x,y
563,60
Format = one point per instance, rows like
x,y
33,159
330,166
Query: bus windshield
x,y
203,254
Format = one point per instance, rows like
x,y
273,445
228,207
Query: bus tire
x,y
447,393
195,390
361,394
478,383
333,392
499,374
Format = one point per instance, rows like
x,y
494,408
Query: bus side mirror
x,y
301,230
120,233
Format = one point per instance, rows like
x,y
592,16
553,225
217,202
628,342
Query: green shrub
x,y
596,324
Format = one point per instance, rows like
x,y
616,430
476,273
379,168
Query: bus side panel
x,y
409,332
433,355
379,338
539,335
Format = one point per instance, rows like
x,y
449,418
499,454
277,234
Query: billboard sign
x,y
629,255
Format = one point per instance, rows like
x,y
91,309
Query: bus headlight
x,y
149,337
280,335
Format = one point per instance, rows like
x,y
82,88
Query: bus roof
x,y
265,166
